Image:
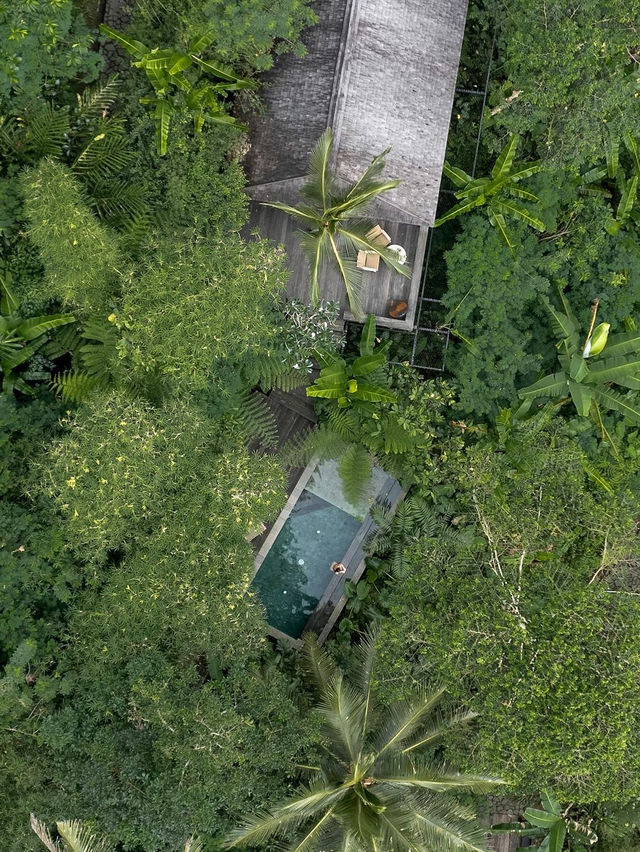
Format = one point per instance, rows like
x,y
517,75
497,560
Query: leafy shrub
x,y
247,32
575,71
217,311
80,256
126,471
44,46
524,616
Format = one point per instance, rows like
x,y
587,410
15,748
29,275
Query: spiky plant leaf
x,y
354,468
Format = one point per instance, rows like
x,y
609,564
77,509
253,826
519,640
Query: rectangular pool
x,y
318,526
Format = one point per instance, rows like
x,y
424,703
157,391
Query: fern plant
x,y
90,141
96,363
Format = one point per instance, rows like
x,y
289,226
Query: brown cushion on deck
x,y
379,237
368,260
398,309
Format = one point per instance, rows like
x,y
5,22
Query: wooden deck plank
x,y
379,288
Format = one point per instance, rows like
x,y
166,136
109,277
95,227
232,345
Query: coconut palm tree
x,y
374,789
75,837
334,216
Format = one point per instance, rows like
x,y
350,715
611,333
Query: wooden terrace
x,y
381,290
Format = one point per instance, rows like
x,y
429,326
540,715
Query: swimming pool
x,y
318,526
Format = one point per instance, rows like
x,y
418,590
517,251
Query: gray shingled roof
x,y
381,73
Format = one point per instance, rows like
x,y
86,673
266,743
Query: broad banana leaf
x,y
8,301
582,397
135,48
549,803
219,71
555,839
179,62
612,155
456,176
327,393
631,382
511,208
33,327
373,393
200,42
368,336
542,819
566,327
367,364
614,401
523,193
622,344
552,385
505,158
577,367
628,199
162,117
631,144
459,209
611,369
498,222
19,356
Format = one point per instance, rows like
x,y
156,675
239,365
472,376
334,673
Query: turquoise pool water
x,y
295,572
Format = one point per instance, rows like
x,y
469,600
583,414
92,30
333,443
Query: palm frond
x,y
362,674
316,249
43,833
398,771
443,824
289,817
319,186
95,100
78,838
354,468
319,665
404,718
344,421
342,708
351,277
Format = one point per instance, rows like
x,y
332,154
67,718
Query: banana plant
x,y
551,826
20,338
496,192
174,91
589,370
611,179
349,383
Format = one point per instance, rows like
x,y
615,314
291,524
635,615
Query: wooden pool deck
x,y
380,290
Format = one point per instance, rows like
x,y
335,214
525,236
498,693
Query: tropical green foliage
x,y
569,73
177,90
496,192
552,826
334,218
516,612
375,787
355,383
21,338
43,47
81,257
220,312
588,372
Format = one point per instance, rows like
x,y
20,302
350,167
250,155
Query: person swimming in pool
x,y
338,568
